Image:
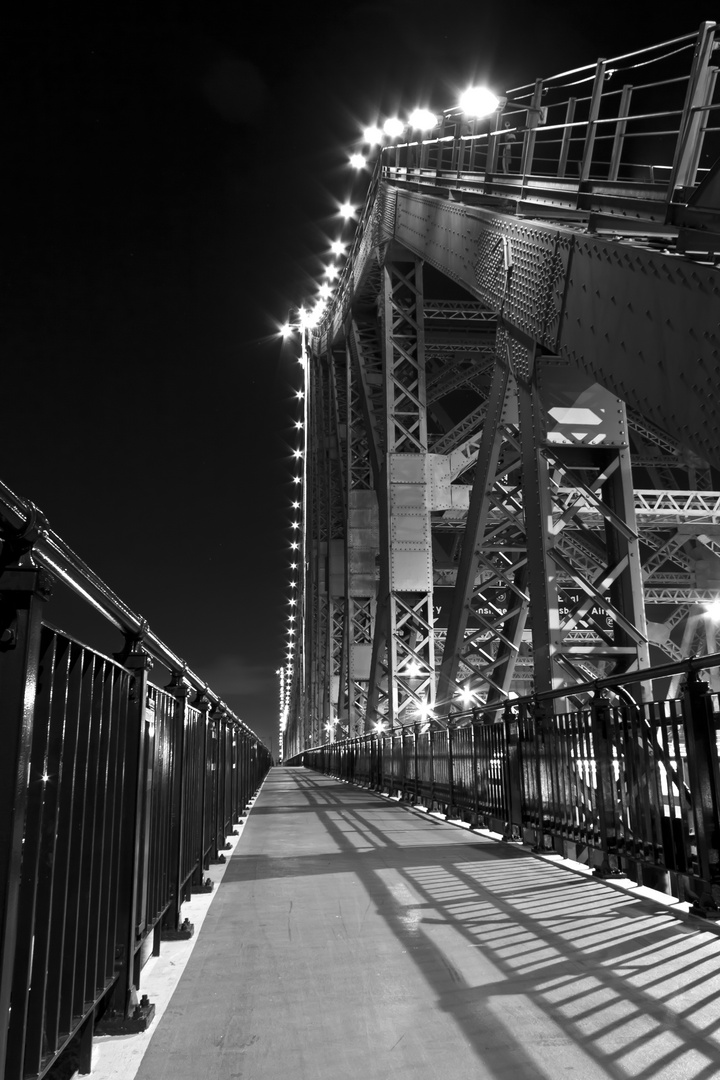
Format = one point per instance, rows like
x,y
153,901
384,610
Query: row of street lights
x,y
475,103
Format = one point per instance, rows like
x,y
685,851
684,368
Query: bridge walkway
x,y
353,937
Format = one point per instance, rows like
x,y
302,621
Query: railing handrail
x,y
611,60
50,552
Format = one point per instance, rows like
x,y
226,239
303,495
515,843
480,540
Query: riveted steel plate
x,y
514,267
410,571
647,325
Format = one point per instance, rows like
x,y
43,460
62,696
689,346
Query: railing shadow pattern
x,y
629,787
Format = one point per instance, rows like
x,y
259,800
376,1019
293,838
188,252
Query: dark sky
x,y
171,174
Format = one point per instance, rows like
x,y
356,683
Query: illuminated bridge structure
x,y
512,446
510,553
511,536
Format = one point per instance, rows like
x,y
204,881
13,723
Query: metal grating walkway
x,y
351,937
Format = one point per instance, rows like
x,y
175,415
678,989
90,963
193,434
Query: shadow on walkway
x,y
352,938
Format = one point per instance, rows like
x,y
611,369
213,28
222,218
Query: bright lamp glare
x,y
331,272
357,161
424,710
712,610
393,127
372,135
423,119
286,330
337,247
479,101
347,210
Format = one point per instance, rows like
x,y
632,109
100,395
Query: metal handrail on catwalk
x,y
115,797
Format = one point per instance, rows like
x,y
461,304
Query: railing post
x,y
416,732
23,591
200,883
595,98
476,797
693,122
620,129
451,782
542,729
702,763
179,689
566,137
124,1005
493,149
601,726
216,719
513,803
528,150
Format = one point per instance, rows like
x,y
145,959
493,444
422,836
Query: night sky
x,y
171,178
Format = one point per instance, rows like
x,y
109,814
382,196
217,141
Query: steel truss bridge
x,y
511,469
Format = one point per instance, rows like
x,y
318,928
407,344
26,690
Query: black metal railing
x,y
115,797
632,787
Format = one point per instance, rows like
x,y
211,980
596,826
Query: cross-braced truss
x,y
491,512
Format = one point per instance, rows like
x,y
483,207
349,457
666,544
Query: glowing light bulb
x,y
423,119
372,135
357,161
479,101
393,127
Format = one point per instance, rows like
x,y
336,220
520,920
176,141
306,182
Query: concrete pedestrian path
x,y
353,938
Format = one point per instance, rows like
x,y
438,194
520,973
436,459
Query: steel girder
x,y
641,322
546,576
